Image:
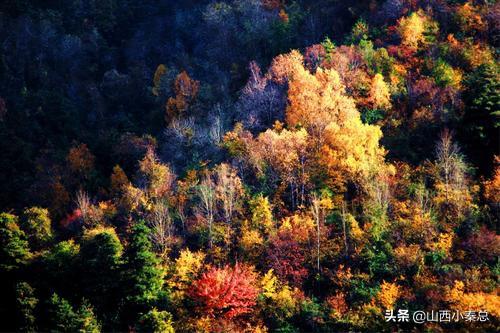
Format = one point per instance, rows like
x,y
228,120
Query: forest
x,y
249,166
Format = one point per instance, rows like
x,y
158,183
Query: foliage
x,y
248,166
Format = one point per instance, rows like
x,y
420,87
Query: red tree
x,y
226,292
286,258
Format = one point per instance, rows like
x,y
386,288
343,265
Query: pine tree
x,y
143,275
64,318
26,303
481,122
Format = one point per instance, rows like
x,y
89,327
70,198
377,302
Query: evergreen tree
x,y
61,315
143,275
26,303
64,318
99,262
481,122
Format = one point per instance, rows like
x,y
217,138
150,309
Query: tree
x,y
379,96
262,215
99,262
318,100
228,291
446,76
81,161
161,70
118,181
185,269
278,299
469,18
320,205
492,186
286,152
461,300
452,196
36,223
142,273
62,315
481,121
262,101
286,257
352,152
388,295
411,30
14,249
64,318
155,321
26,302
229,190
206,193
186,90
60,263
87,319
162,228
157,178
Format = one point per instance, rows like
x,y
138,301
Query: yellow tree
x,y
379,97
329,127
413,28
317,100
157,177
262,215
352,152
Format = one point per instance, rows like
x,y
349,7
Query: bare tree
x,y
229,189
319,207
83,203
452,172
91,214
447,154
316,212
423,199
207,195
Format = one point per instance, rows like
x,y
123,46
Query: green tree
x,y
143,274
26,303
59,262
64,318
61,315
99,262
87,320
14,249
36,223
155,321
